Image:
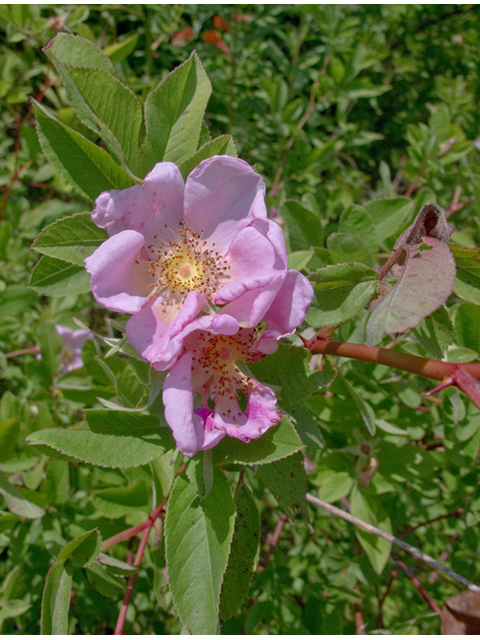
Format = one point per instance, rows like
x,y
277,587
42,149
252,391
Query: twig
x,y
419,586
273,542
416,553
453,514
21,352
359,623
379,621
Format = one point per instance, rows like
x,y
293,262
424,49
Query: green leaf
x,y
104,582
174,113
426,281
299,260
366,411
88,167
366,507
110,438
288,482
116,566
106,105
467,326
334,485
288,369
72,239
278,442
436,333
9,432
345,247
15,300
120,50
243,551
467,284
116,502
50,344
388,215
341,291
197,538
304,227
75,50
16,501
56,599
53,277
221,146
82,551
357,221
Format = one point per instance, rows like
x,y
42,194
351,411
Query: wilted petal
x,y
222,195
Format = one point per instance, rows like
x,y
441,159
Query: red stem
x,y
434,369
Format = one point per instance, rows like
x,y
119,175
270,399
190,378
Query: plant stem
x,y
434,369
416,553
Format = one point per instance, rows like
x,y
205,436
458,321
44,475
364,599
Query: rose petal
x,y
290,306
222,195
149,208
119,273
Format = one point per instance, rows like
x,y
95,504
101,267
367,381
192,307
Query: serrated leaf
x,y
366,507
56,599
197,539
467,284
111,439
221,146
288,369
345,247
70,49
174,113
341,291
116,502
16,501
107,106
54,277
243,551
288,483
304,227
88,167
9,432
104,582
278,442
436,333
388,215
83,550
71,239
426,281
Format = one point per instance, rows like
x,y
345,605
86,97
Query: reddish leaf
x,y
424,284
461,614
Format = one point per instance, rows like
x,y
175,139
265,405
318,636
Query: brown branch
x,y
416,553
21,352
419,586
453,514
379,621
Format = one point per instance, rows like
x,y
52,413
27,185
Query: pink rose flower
x,y
175,247
72,344
208,367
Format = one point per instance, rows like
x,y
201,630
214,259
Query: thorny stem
x,y
416,553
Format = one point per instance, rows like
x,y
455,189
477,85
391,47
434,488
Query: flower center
x,y
186,264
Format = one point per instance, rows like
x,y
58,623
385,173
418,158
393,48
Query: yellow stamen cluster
x,y
187,264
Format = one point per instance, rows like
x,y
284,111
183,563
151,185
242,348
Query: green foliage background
x,y
334,106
